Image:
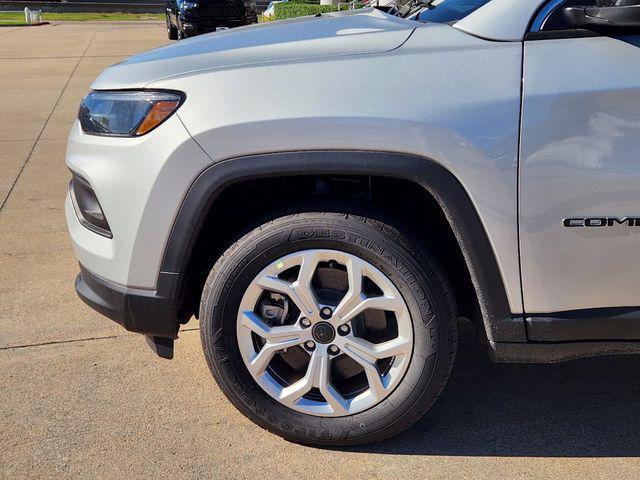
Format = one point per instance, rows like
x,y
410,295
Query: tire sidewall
x,y
371,241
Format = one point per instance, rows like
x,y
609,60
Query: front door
x,y
580,175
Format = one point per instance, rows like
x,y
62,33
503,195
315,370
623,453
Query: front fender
x,y
438,181
443,95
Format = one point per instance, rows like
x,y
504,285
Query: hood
x,y
347,33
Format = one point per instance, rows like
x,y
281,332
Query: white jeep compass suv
x,y
410,165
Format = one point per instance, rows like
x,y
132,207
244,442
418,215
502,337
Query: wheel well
x,y
245,205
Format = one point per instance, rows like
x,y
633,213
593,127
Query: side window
x,y
557,21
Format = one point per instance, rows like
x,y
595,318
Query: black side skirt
x,y
621,323
574,334
533,352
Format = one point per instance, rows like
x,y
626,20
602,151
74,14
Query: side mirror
x,y
604,18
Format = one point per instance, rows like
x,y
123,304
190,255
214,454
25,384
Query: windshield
x,y
449,11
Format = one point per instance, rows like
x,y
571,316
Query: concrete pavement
x,y
82,398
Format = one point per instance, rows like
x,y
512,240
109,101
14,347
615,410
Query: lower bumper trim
x,y
152,313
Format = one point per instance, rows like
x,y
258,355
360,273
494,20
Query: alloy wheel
x,y
324,332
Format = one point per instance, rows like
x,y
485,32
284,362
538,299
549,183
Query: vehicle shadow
x,y
582,408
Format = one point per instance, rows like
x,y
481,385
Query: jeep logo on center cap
x,y
323,332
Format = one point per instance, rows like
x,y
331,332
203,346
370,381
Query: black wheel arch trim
x,y
453,199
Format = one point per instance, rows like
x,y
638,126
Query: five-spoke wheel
x,y
318,356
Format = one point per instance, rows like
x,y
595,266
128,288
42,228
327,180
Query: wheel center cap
x,y
323,332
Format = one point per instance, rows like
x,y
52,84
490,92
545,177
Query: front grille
x,y
225,9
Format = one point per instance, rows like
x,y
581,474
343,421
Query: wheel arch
x,y
436,180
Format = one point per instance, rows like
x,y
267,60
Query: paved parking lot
x,y
81,398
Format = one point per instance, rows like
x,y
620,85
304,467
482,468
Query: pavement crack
x,y
65,57
78,340
46,122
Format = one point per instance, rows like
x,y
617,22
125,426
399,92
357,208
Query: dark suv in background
x,y
186,18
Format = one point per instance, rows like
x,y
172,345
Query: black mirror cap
x,y
623,19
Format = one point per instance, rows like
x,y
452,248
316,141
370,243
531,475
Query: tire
x,y
424,291
172,32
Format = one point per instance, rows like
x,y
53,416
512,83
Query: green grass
x,y
17,18
300,8
291,10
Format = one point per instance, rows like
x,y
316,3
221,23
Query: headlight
x,y
126,113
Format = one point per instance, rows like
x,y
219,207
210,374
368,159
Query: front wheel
x,y
329,329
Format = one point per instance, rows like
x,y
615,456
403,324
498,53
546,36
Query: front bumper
x,y
138,185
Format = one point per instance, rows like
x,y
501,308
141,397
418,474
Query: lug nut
x,y
333,349
309,345
344,330
305,322
326,312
